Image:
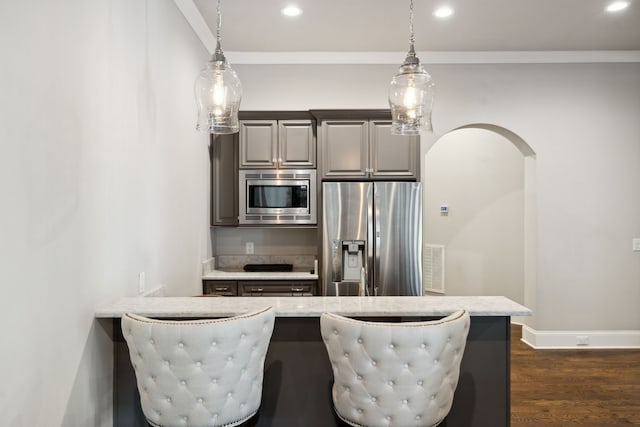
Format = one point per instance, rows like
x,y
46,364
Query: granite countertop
x,y
247,275
176,307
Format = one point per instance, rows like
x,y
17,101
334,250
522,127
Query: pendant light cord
x,y
219,22
412,38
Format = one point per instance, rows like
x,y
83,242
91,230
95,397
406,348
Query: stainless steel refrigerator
x,y
372,238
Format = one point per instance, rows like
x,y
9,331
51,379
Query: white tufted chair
x,y
201,372
394,374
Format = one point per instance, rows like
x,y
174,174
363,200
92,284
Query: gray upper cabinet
x,y
392,156
224,179
345,148
258,144
277,144
366,149
296,144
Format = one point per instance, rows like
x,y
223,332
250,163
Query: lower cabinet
x,y
257,288
219,287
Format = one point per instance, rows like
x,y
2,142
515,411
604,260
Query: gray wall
x,y
581,120
101,177
479,175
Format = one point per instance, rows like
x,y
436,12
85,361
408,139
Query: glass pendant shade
x,y
218,94
411,95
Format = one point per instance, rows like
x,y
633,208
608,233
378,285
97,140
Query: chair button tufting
x,y
406,365
359,340
229,394
214,343
359,377
391,383
180,345
200,400
374,363
420,382
198,363
391,346
360,411
152,341
168,399
418,417
423,345
388,418
435,360
214,380
183,382
346,354
405,401
335,332
373,399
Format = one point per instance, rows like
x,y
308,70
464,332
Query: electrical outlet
x,y
141,284
248,248
582,339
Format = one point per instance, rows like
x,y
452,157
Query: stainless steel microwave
x,y
277,196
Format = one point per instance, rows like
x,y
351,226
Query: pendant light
x,y
411,93
218,92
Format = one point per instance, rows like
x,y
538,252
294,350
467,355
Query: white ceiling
x,y
382,25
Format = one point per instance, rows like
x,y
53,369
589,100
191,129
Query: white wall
x,y
101,177
582,122
479,175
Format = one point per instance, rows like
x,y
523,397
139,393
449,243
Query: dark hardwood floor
x,y
573,387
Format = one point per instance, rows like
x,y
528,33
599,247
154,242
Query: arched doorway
x,y
479,207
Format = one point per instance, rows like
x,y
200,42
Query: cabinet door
x,y
220,287
258,144
277,289
345,149
392,156
224,180
296,144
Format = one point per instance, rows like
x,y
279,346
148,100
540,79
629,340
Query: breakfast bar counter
x,y
298,376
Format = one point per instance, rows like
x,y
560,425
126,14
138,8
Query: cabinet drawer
x,y
277,289
218,287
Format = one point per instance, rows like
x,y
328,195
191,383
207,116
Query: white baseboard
x,y
584,340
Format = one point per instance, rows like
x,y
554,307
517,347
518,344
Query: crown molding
x,y
395,58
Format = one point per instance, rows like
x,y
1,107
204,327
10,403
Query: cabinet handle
x,y
222,288
297,289
257,290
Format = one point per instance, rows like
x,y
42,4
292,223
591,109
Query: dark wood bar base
x,y
298,377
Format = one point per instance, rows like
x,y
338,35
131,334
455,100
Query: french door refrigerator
x,y
372,238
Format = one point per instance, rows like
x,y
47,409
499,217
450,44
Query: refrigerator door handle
x,y
371,277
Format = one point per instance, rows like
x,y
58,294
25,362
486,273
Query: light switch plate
x,y
636,244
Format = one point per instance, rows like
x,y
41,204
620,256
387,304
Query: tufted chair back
x,y
394,374
202,372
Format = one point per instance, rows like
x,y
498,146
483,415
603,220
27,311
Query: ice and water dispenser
x,y
349,268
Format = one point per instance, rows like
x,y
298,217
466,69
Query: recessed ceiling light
x,y
443,12
617,6
291,10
